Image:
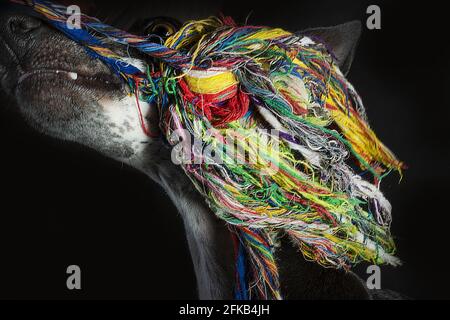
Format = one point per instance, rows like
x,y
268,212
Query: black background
x,y
63,204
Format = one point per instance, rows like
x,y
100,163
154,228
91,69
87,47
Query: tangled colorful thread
x,y
212,76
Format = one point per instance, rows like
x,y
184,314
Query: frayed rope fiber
x,y
226,85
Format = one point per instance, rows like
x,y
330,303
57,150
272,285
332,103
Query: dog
x,y
63,92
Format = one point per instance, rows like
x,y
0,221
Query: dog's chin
x,y
95,111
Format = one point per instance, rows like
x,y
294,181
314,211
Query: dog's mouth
x,y
96,81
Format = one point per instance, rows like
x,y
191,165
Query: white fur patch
x,y
124,116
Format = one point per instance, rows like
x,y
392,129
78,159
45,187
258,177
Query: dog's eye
x,y
161,26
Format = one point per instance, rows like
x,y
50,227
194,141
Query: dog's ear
x,y
341,40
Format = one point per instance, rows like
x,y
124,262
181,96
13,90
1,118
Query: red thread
x,y
141,118
219,108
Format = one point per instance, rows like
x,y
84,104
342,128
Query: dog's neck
x,y
208,238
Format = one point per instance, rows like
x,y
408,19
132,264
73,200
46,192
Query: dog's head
x,y
64,92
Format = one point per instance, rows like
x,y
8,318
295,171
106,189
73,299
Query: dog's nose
x,y
23,25
18,33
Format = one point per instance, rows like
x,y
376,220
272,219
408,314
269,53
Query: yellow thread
x,y
268,34
200,82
